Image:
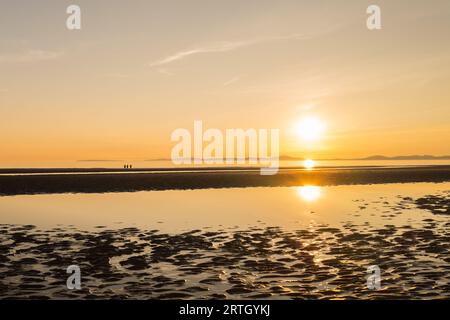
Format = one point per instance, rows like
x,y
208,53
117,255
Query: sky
x,y
138,70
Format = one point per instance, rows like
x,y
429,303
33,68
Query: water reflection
x,y
286,207
309,193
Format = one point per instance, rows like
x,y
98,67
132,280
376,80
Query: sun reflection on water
x,y
309,193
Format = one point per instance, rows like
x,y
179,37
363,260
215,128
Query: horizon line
x,y
288,157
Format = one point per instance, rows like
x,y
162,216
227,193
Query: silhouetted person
x,y
130,166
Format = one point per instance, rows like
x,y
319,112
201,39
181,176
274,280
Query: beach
x,y
42,181
292,241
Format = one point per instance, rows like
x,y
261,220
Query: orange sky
x,y
117,88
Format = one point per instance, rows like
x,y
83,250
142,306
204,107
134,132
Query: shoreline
x,y
24,171
54,181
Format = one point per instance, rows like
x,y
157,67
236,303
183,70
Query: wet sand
x,y
318,262
41,181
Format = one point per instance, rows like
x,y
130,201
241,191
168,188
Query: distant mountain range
x,y
413,157
380,157
285,157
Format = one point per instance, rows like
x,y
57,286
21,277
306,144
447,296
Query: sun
x,y
309,163
310,129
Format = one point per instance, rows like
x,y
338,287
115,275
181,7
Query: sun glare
x,y
309,164
310,129
309,193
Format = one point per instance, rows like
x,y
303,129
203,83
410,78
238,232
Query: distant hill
x,y
379,157
412,157
293,158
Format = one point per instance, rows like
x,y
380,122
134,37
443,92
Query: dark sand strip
x,y
16,171
125,182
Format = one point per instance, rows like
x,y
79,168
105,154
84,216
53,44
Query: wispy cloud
x,y
164,72
30,56
231,81
215,47
117,75
225,46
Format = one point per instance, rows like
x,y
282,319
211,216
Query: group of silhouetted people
x,y
127,166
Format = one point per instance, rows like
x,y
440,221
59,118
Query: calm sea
x,y
169,164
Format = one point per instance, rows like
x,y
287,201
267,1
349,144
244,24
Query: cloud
x,y
164,72
231,81
223,46
215,47
30,56
116,75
